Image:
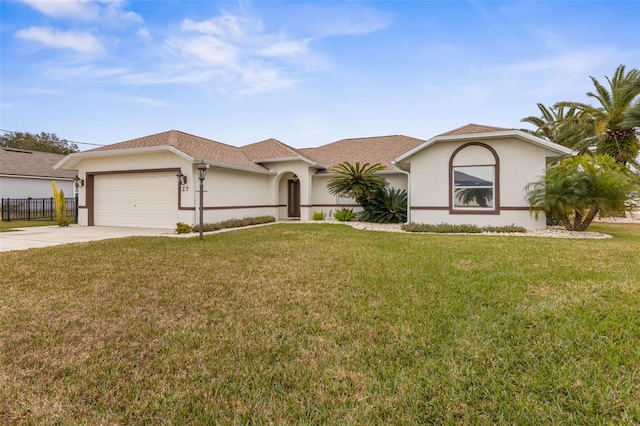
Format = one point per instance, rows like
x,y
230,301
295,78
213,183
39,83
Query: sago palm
x,y
356,180
581,188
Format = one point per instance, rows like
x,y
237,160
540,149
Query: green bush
x,y
386,206
344,215
183,228
321,215
234,223
446,228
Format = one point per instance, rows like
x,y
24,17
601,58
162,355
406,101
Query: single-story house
x,y
473,174
28,174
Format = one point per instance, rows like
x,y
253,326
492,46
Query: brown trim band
x,y
238,207
429,208
335,205
459,211
128,172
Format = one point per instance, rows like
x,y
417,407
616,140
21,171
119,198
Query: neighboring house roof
x,y
194,146
381,149
27,163
476,132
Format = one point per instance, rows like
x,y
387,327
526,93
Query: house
x,y
474,174
28,174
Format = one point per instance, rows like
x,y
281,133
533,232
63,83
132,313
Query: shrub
x,y
446,228
321,215
234,223
386,206
344,215
61,206
183,228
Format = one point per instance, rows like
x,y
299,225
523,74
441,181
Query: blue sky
x,y
305,73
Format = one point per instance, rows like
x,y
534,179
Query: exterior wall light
x,y
79,183
182,179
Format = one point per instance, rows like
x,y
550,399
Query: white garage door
x,y
144,200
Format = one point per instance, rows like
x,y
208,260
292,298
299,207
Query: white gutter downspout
x,y
408,190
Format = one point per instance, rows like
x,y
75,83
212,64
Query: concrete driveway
x,y
45,236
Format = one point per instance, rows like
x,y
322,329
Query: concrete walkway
x,y
45,236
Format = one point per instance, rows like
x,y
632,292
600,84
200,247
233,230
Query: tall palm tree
x,y
571,128
610,122
555,124
359,181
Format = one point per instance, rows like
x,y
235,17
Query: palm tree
x,y
358,181
610,126
555,124
581,188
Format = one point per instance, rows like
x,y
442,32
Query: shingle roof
x,y
194,146
473,128
381,149
271,149
22,162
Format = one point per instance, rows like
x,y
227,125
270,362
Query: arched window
x,y
474,180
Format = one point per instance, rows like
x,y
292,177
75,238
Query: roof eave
x,y
233,167
71,161
283,159
560,150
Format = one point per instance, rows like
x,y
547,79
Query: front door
x,y
293,198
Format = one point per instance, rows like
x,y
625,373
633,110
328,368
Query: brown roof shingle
x,y
194,146
271,149
23,162
473,128
381,149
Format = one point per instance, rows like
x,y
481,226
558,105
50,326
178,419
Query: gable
x,y
475,132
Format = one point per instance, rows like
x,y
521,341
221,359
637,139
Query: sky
x,y
305,73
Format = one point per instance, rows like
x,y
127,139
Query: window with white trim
x,y
474,187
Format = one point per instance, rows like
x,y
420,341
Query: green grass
x,y
12,225
323,324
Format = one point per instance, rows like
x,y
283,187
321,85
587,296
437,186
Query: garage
x,y
143,200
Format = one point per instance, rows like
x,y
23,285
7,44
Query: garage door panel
x,y
145,200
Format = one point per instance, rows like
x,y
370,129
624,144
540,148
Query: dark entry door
x,y
293,198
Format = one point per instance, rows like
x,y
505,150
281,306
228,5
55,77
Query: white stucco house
x,y
28,174
135,183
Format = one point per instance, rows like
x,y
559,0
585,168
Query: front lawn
x,y
318,323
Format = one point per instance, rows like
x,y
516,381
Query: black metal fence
x,y
36,209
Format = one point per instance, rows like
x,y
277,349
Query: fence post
x,y
8,209
51,208
76,209
29,208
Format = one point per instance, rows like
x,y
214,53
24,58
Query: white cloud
x,y
225,25
147,101
79,9
78,41
144,33
105,11
242,54
285,48
206,50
